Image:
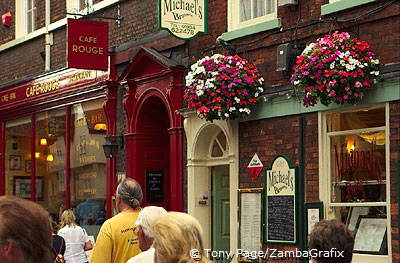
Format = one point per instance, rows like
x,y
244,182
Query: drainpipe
x,y
49,37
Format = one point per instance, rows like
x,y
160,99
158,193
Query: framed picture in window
x,y
370,235
15,162
28,166
22,187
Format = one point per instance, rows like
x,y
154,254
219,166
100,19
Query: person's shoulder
x,y
144,257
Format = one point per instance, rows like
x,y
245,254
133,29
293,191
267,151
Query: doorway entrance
x,y
220,209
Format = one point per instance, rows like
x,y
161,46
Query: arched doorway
x,y
154,133
213,179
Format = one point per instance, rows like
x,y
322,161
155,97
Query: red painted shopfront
x,y
154,131
52,128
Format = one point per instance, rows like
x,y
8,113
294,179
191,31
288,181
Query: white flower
x,y
366,64
241,110
219,114
199,92
247,110
296,82
332,66
237,99
232,109
226,115
375,61
308,48
260,89
256,94
376,73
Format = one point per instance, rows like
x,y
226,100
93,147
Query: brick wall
x,y
270,137
7,33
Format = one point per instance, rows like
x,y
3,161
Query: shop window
x,y
249,12
50,159
88,163
356,161
18,157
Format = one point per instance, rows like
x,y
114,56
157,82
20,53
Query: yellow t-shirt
x,y
117,242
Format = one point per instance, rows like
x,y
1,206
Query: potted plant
x,y
336,68
222,87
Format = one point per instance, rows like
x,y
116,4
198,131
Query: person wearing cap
x,y
117,241
146,217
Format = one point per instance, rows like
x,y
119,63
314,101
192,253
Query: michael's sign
x,y
183,18
87,46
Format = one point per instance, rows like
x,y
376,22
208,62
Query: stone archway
x,y
211,145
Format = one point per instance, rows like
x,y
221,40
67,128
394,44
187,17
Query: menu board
x,y
250,221
154,186
281,218
280,203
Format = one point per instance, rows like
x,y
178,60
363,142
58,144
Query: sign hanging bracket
x,y
117,19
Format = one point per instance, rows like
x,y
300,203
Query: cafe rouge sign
x,y
183,18
87,45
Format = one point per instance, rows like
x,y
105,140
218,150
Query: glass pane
x,y
50,159
358,171
222,140
18,157
88,164
369,224
29,22
259,8
29,4
270,6
216,150
245,10
356,120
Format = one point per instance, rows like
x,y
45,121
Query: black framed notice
x,y
281,202
154,186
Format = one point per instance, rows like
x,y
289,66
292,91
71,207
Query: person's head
x,y
25,232
175,235
68,218
129,194
54,225
146,217
332,234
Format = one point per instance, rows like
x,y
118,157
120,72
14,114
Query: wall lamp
x,y
112,145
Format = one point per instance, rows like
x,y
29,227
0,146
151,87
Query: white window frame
x,y
325,179
74,6
234,16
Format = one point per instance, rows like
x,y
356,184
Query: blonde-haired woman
x,y
76,239
178,239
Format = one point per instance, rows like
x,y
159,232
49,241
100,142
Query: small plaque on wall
x,y
154,186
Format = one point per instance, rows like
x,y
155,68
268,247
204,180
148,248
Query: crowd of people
x,y
134,235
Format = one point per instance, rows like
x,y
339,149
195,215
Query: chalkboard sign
x,y
281,218
280,203
154,186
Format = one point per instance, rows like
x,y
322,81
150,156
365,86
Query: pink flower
x,y
358,84
332,93
345,97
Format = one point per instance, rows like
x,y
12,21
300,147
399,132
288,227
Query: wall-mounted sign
x,y
281,202
183,18
255,166
87,44
54,83
154,186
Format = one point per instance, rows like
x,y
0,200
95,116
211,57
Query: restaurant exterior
x,y
52,131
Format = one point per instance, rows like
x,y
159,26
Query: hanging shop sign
x,y
87,44
255,166
281,202
183,18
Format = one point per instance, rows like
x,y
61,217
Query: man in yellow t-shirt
x,y
117,241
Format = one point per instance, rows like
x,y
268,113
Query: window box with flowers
x,y
336,68
222,87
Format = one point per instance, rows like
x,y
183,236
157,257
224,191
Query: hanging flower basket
x,y
222,87
336,68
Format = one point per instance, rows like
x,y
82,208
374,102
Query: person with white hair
x,y
145,219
